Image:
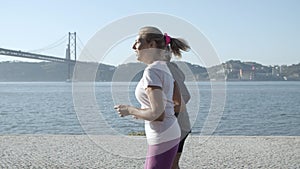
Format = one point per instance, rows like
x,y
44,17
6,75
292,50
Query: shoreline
x,y
109,151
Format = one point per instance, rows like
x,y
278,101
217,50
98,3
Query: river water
x,y
251,108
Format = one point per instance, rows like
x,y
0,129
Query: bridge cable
x,y
52,45
85,48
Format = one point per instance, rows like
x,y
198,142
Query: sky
x,y
262,31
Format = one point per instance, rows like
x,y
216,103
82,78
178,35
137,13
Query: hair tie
x,y
167,38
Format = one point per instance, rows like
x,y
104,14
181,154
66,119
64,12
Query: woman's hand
x,y
122,110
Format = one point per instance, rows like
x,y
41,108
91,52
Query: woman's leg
x,y
180,148
176,161
161,156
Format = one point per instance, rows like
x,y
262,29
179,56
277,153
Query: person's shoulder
x,y
173,64
176,71
158,64
158,67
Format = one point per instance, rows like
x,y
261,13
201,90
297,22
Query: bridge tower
x,y
71,53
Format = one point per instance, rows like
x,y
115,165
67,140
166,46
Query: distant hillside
x,y
233,70
49,71
28,71
125,71
237,70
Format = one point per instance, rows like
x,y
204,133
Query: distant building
x,y
276,70
283,69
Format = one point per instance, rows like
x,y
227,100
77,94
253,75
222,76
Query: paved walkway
x,y
79,151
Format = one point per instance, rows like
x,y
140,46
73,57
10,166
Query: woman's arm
x,y
185,93
176,97
154,113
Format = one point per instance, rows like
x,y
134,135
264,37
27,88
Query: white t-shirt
x,y
158,74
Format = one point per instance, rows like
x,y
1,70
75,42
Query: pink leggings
x,y
161,156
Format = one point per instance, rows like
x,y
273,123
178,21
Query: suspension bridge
x,y
69,59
